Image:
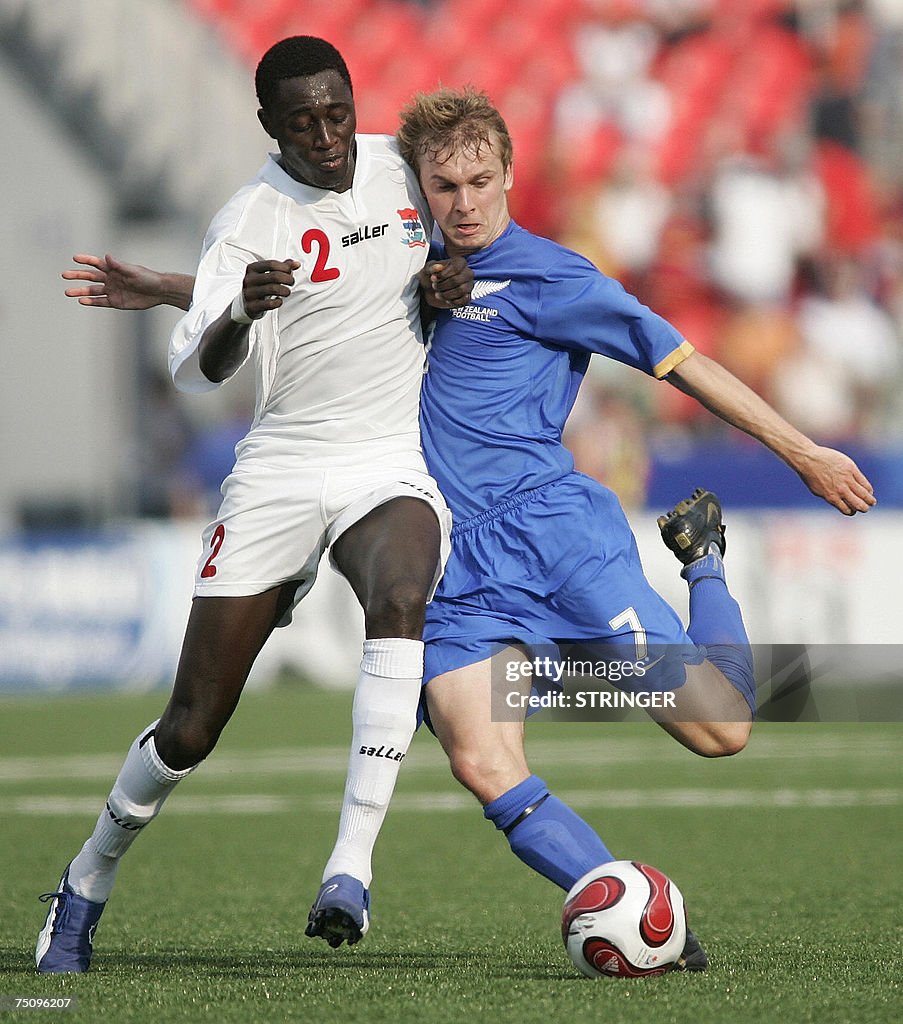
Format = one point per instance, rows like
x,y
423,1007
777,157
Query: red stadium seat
x,y
590,160
853,220
252,27
488,75
214,9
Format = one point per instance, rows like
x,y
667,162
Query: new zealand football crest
x,y
481,290
415,236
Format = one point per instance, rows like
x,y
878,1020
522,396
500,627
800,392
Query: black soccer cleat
x,y
693,957
694,526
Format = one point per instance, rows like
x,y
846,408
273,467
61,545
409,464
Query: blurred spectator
x,y
767,211
755,341
615,54
842,38
852,205
678,287
883,90
884,263
838,385
631,212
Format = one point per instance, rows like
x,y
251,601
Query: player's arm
x,y
224,344
446,284
115,284
829,474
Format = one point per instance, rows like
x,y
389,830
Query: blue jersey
x,y
504,370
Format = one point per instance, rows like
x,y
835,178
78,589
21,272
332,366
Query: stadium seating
x,y
744,65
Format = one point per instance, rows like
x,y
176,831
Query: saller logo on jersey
x,y
364,233
415,236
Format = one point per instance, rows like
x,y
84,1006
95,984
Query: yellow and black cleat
x,y
693,957
694,526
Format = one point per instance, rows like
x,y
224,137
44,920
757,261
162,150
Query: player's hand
x,y
266,285
447,284
115,284
831,475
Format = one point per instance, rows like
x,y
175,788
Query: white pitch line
x,y
439,802
65,806
663,799
681,798
289,761
609,749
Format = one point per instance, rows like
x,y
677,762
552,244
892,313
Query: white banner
x,y
109,608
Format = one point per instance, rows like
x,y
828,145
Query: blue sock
x,y
546,834
717,625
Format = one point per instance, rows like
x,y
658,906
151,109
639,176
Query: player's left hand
x,y
447,284
831,475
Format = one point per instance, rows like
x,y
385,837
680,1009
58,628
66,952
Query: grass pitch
x,y
788,855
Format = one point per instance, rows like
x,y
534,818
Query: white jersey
x,y
342,360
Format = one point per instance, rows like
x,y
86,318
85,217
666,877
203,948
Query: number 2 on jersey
x,y
315,237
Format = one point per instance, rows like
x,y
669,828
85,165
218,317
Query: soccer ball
x,y
625,920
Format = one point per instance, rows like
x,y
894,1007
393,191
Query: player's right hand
x,y
266,285
115,284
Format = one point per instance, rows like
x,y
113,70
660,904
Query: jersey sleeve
x,y
580,308
218,281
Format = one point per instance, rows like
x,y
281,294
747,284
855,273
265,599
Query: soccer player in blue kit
x,y
542,555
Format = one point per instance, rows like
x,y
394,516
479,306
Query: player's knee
x,y
483,773
466,769
397,609
184,738
723,739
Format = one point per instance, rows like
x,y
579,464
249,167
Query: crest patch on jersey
x,y
481,290
415,236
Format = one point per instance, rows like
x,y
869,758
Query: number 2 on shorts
x,y
216,542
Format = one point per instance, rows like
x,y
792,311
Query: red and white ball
x,y
624,920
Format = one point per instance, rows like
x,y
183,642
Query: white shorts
x,y
279,516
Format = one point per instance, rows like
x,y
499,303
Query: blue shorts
x,y
553,566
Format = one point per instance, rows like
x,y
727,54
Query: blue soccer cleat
x,y
66,941
341,911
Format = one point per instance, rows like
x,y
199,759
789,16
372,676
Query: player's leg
x,y
713,710
223,636
609,598
390,558
487,757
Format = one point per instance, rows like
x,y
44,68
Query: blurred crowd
x,y
738,165
765,222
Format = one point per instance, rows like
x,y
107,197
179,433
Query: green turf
x,y
788,855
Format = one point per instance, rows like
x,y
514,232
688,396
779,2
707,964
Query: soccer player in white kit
x,y
312,270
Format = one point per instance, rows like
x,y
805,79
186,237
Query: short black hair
x,y
296,57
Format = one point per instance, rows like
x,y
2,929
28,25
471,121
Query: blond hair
x,y
437,124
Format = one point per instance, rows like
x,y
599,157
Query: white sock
x,y
385,717
142,785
